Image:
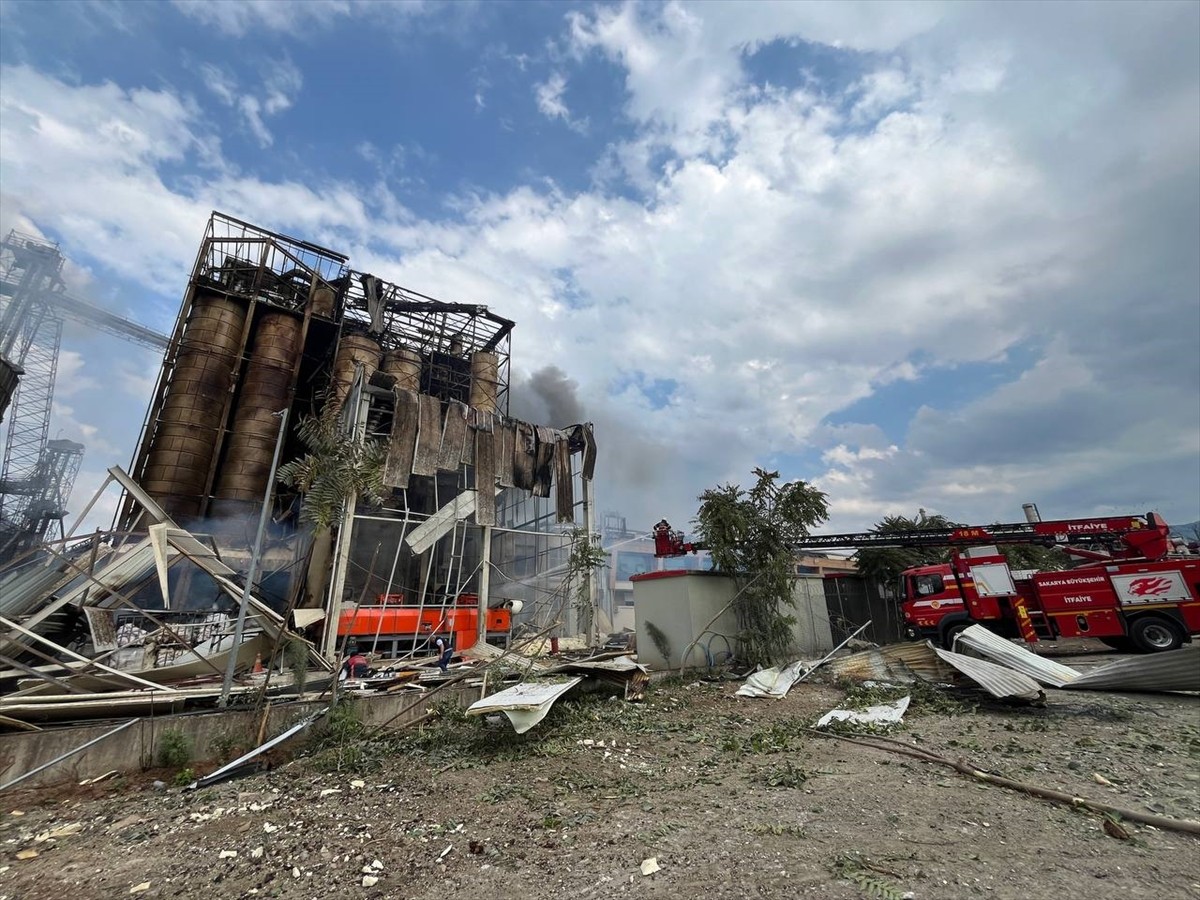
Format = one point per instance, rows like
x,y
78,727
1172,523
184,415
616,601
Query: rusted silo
x,y
189,421
266,389
352,349
485,380
405,365
322,301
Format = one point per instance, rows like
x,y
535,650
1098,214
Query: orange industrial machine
x,y
395,626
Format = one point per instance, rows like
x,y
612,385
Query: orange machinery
x,y
394,627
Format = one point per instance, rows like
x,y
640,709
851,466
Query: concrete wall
x,y
136,748
812,633
681,605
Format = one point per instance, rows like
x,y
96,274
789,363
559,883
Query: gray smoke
x,y
547,398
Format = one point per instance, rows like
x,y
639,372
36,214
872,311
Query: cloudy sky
x,y
922,255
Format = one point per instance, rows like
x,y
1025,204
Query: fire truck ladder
x,y
1108,531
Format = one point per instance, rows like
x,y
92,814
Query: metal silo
x,y
266,389
352,349
405,366
485,380
190,419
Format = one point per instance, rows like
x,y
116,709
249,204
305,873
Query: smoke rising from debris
x,y
547,397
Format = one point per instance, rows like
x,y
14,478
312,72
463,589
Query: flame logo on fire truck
x,y
1150,586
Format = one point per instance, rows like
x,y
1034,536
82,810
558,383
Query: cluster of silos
x,y
265,390
407,367
180,456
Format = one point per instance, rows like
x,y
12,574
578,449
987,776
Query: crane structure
x,y
37,473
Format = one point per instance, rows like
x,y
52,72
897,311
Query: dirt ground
x,y
733,798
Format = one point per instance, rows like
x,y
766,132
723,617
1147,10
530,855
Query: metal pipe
x,y
68,754
255,557
485,582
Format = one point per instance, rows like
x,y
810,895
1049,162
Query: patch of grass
x,y
785,776
174,749
504,790
184,777
226,746
342,744
781,737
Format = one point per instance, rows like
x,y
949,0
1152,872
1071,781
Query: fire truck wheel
x,y
1154,634
952,631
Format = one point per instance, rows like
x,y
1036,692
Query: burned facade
x,y
270,323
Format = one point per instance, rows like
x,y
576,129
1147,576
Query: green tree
x,y
335,468
884,565
750,536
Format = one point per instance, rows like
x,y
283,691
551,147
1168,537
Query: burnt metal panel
x,y
429,436
403,443
454,435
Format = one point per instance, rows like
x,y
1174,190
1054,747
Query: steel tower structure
x,y
38,474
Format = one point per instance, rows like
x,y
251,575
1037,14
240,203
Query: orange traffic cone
x,y
258,667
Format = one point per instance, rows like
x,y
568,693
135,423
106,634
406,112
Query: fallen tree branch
x,y
1187,826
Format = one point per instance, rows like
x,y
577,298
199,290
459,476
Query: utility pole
x,y
255,557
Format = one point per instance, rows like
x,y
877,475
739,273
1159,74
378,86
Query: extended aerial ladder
x,y
37,474
1123,537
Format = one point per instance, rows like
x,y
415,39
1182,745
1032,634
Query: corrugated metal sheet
x,y
1178,670
1000,650
897,662
998,681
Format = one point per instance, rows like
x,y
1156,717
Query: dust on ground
x,y
733,798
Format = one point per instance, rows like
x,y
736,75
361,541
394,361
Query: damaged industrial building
x,y
327,451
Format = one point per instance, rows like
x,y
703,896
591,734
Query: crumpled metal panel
x,y
773,683
1003,651
1177,670
999,681
897,662
526,704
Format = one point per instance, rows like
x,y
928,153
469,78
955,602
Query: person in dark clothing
x,y
444,651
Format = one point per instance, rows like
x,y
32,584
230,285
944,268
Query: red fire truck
x,y
1136,590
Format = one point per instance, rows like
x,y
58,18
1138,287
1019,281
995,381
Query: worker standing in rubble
x,y
444,651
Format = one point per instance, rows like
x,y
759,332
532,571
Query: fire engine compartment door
x,y
1150,587
993,580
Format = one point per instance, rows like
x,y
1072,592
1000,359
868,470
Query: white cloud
x,y
295,17
550,102
281,82
799,250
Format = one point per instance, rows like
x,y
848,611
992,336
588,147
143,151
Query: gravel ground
x,y
731,798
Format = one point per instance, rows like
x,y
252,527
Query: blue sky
x,y
921,254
